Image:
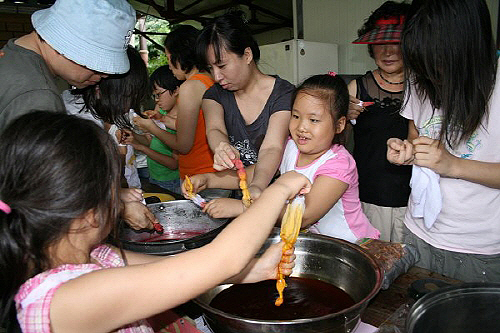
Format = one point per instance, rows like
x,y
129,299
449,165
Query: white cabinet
x,y
297,59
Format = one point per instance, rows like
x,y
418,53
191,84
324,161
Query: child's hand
x,y
255,192
138,216
293,183
153,114
199,184
223,156
122,135
144,124
432,154
130,194
399,152
129,139
224,208
266,267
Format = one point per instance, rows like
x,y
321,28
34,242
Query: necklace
x,y
387,81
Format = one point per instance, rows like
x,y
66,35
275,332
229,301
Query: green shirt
x,y
158,171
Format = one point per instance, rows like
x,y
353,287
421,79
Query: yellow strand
x,y
290,228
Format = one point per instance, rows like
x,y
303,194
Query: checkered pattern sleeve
x,y
35,295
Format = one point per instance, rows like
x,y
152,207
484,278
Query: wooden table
x,y
387,302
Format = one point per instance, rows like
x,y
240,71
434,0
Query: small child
x,y
59,200
162,163
315,150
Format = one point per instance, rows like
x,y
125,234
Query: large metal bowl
x,y
178,217
470,307
344,265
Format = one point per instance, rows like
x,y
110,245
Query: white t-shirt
x,y
469,220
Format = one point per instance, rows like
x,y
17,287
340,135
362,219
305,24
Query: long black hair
x,y
114,96
54,168
227,32
449,53
180,43
332,91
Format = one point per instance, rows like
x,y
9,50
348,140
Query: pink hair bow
x,y
3,206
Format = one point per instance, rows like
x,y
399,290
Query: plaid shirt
x,y
34,296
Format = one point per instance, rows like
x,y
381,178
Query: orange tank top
x,y
200,158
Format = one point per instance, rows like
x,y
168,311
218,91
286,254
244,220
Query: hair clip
x,y
332,73
3,206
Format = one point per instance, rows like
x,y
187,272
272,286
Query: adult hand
x,y
354,108
223,156
399,152
293,183
224,208
130,194
432,154
137,215
270,264
199,182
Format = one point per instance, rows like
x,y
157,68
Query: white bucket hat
x,y
92,33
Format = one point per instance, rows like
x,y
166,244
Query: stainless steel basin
x,y
331,260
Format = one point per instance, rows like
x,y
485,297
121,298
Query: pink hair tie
x,y
332,73
3,206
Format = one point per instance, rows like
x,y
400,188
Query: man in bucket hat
x,y
80,41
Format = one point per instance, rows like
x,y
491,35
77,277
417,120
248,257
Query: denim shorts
x,y
173,185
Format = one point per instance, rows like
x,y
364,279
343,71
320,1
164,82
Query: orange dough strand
x,y
242,174
189,187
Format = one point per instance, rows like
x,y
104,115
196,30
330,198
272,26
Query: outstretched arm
x,y
324,194
104,295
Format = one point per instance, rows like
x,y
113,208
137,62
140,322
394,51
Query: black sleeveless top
x,y
380,182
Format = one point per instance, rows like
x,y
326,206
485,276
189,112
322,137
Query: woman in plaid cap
x,y
383,187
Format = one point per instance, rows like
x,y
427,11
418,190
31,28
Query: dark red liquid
x,y
303,298
172,235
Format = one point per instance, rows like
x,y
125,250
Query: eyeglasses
x,y
157,96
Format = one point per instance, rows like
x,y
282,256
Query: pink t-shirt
x,y
35,295
345,219
469,220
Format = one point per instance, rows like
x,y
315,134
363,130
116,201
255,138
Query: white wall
x,y
274,36
337,21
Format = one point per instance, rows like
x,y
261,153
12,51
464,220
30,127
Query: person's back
x,y
67,43
190,164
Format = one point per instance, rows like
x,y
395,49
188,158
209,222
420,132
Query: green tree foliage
x,y
157,57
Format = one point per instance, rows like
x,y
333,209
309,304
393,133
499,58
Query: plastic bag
x,y
394,258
